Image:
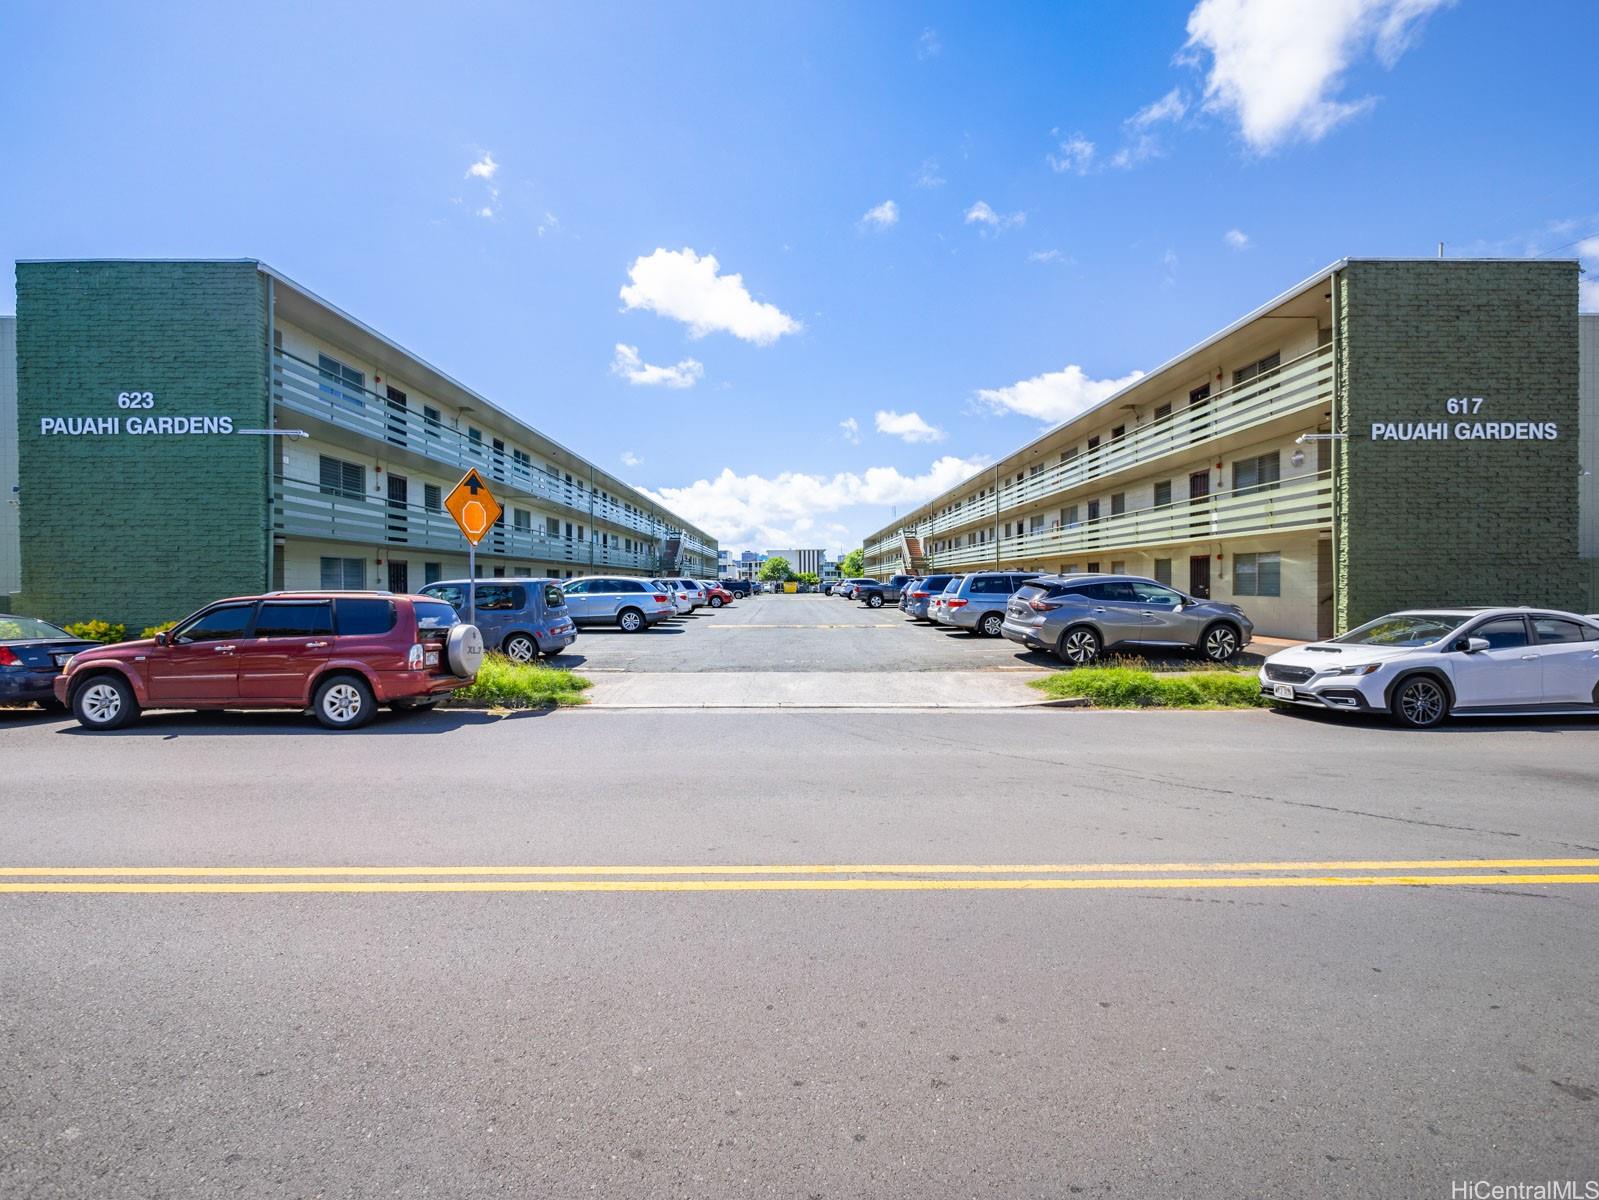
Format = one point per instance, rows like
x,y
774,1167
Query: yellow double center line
x,y
817,877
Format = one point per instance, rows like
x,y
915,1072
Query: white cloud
x,y
485,212
929,45
884,216
1277,68
1075,154
635,370
1055,396
484,168
982,213
908,427
1173,106
852,430
550,224
927,175
1236,238
1047,256
756,511
686,287
629,459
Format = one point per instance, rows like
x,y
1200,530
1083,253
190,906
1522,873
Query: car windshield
x,y
24,628
1403,629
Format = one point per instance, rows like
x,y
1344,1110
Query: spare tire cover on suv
x,y
465,650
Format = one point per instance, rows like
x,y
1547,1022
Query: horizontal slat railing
x,y
1292,505
1301,383
301,387
301,509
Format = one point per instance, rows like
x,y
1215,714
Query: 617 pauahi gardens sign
x,y
1465,430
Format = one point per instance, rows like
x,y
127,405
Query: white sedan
x,y
1424,665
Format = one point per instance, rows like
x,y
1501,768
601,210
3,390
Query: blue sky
x,y
912,210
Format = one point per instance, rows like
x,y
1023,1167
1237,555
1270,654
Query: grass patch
x,y
1130,687
501,683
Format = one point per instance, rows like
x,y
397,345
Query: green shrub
x,y
150,631
1129,687
98,631
501,683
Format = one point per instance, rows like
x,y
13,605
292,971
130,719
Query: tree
x,y
809,577
854,564
776,570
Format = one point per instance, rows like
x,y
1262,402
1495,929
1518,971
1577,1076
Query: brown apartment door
x,y
1199,576
399,523
1198,491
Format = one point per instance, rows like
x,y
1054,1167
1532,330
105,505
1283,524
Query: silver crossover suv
x,y
629,604
976,602
1078,616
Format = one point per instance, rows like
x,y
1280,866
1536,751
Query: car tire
x,y
520,648
104,702
1079,646
874,601
343,702
463,650
630,620
716,602
990,624
1420,702
1220,642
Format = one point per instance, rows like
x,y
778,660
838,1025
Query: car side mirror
x,y
1472,645
161,639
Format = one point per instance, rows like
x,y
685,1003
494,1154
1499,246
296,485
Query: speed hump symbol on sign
x,y
473,506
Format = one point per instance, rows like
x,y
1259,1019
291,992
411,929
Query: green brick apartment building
x,y
147,482
1389,433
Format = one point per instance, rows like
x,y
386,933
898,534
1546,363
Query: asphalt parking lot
x,y
802,633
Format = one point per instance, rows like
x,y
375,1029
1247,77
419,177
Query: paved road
x,y
1122,1033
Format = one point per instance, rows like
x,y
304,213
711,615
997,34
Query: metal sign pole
x,y
471,583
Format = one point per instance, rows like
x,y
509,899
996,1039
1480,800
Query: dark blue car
x,y
32,653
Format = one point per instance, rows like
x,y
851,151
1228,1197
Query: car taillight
x,y
1041,606
8,659
415,659
660,599
920,595
956,603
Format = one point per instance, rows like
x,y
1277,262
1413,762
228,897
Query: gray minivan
x,y
520,617
632,605
976,602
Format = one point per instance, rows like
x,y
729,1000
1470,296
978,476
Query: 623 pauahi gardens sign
x,y
133,424
1465,431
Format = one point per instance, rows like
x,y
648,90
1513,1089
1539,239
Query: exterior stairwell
x,y
913,561
671,554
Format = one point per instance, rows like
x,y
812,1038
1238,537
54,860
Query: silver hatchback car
x,y
976,602
1075,617
629,604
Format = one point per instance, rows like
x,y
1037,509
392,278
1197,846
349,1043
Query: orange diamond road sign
x,y
473,506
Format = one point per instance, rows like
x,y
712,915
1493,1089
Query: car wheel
x,y
104,702
520,648
344,702
1220,643
1079,646
716,602
1420,702
991,624
874,601
630,620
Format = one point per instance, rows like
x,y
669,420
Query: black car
x,y
739,587
32,653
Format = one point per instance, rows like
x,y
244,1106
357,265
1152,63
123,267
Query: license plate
x,y
433,658
1283,691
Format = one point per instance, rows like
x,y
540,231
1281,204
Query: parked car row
x,y
1075,617
339,654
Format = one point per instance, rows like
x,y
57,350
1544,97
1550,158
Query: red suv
x,y
341,654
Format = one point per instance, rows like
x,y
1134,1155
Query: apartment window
x,y
1118,503
340,478
1200,395
1162,411
1256,369
1069,455
521,518
1257,474
432,420
475,437
341,381
1093,443
343,574
1258,574
432,497
552,527
1093,568
1034,470
1163,571
1068,515
1163,493
1119,431
1036,525
1007,529
1093,510
1118,566
432,572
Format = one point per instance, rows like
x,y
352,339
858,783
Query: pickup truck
x,y
874,594
739,587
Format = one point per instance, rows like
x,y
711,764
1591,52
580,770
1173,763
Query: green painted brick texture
x,y
141,528
1456,522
